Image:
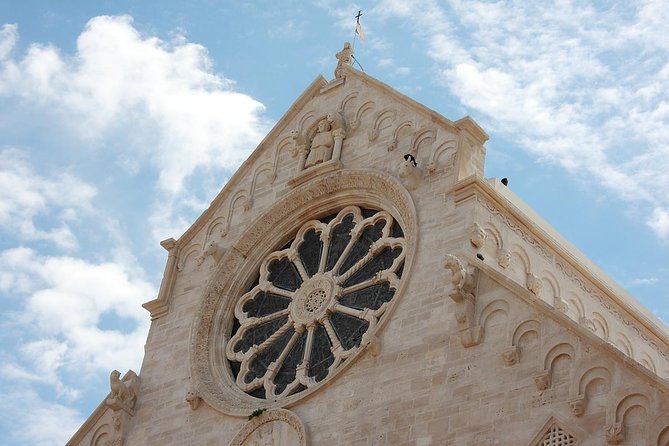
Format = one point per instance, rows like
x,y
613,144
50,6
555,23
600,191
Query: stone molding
x,y
563,261
281,415
238,265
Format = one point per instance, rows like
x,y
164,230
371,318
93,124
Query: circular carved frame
x,y
237,268
281,415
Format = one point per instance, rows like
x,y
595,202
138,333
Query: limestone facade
x,y
493,329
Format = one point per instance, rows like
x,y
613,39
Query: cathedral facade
x,y
359,281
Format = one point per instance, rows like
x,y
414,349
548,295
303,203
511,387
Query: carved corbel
x,y
587,323
534,284
478,236
504,257
542,380
578,405
561,305
511,356
463,288
614,433
193,398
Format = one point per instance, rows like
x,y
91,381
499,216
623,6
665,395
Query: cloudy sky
x,y
121,120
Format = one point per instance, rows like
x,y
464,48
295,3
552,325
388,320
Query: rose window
x,y
316,302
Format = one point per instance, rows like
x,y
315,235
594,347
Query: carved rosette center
x,y
312,300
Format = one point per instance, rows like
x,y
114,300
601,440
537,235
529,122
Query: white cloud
x,y
25,195
32,420
66,300
173,109
659,222
582,87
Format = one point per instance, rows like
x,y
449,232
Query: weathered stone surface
x,y
518,340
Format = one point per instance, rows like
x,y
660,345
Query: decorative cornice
x,y
564,257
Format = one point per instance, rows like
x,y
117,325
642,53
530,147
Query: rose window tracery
x,y
316,302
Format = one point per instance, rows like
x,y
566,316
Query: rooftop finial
x,y
344,58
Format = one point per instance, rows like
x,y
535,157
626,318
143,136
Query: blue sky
x,y
121,120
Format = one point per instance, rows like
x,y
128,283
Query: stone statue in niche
x,y
344,59
321,145
326,143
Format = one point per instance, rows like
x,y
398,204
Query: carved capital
x,y
542,380
534,284
511,356
471,336
504,258
614,433
478,236
578,405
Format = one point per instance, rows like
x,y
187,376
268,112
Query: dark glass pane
x,y
259,364
349,329
234,368
259,393
286,373
321,354
382,261
366,213
371,297
396,230
265,303
258,334
400,270
361,247
339,238
283,274
310,251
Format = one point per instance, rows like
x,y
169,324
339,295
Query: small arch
x,y
493,233
218,225
558,350
647,361
528,326
402,132
189,253
305,121
576,304
495,311
520,253
345,102
548,277
624,345
101,435
387,115
630,402
443,148
592,375
422,137
364,108
271,174
663,438
601,326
